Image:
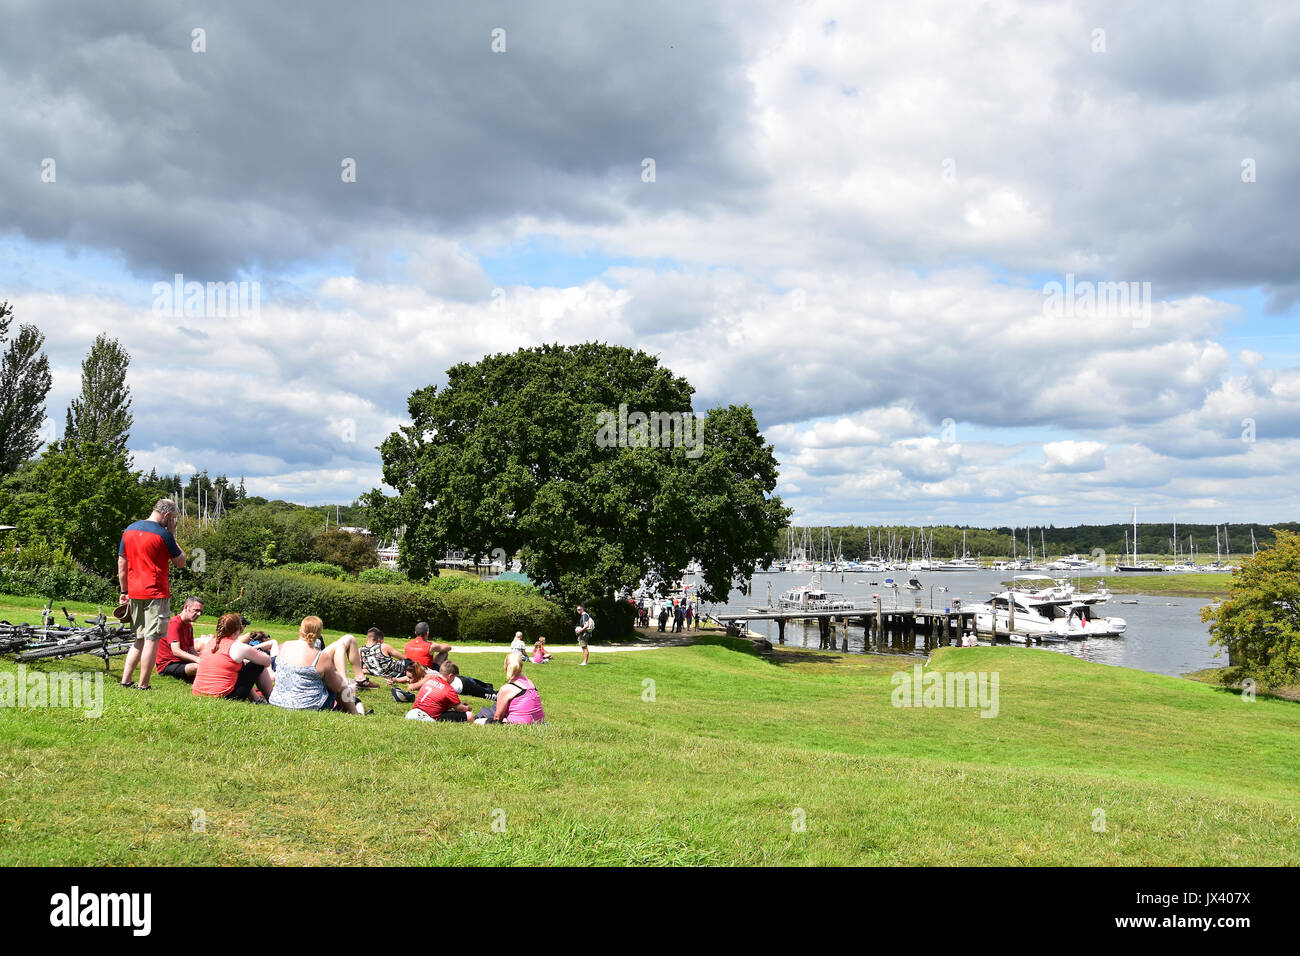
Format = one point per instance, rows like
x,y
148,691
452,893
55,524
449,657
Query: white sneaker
x,y
582,663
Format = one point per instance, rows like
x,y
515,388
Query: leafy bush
x,y
487,615
289,596
480,611
1259,622
382,576
322,568
40,570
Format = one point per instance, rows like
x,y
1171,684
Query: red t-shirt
x,y
149,548
177,630
436,697
417,649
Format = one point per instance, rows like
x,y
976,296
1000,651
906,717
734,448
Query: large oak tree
x,y
506,460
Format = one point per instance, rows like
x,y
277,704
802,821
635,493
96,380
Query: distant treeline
x,y
864,542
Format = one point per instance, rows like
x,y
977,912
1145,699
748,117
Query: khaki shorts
x,y
580,636
149,618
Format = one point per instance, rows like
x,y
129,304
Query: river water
x,y
1165,635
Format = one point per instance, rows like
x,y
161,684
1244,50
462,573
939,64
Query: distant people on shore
x,y
518,701
586,626
230,668
678,617
176,654
146,553
308,678
663,616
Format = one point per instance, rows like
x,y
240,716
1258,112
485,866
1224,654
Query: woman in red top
x,y
229,667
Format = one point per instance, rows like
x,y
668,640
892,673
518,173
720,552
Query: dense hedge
x,y
381,575
289,596
479,612
41,571
614,619
485,615
322,568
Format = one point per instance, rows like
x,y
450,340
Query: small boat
x,y
812,597
959,564
1073,564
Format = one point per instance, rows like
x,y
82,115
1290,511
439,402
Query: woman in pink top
x,y
518,701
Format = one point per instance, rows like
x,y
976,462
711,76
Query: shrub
x,y
41,570
289,596
382,575
322,568
470,611
485,615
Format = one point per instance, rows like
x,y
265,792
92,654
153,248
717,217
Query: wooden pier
x,y
897,629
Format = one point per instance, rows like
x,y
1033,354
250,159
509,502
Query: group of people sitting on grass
x,y
307,674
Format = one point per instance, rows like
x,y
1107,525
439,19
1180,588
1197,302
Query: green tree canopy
x,y
352,552
24,384
1259,622
82,498
510,457
256,534
101,413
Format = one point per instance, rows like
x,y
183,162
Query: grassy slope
x,y
710,772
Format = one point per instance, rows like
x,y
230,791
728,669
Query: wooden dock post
x,y
780,630
880,625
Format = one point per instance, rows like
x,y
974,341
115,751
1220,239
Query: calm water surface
x,y
1165,635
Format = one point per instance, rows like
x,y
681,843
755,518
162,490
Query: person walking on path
x,y
583,631
663,617
145,556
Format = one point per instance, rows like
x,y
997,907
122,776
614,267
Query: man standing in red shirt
x,y
176,655
144,558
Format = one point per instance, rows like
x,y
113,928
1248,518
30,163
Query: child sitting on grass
x,y
435,697
539,652
417,672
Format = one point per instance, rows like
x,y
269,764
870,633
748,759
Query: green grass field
x,y
735,760
1174,585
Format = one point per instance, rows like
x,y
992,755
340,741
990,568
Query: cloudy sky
x,y
859,219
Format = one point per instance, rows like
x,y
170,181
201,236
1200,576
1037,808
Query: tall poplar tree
x,y
101,414
24,384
